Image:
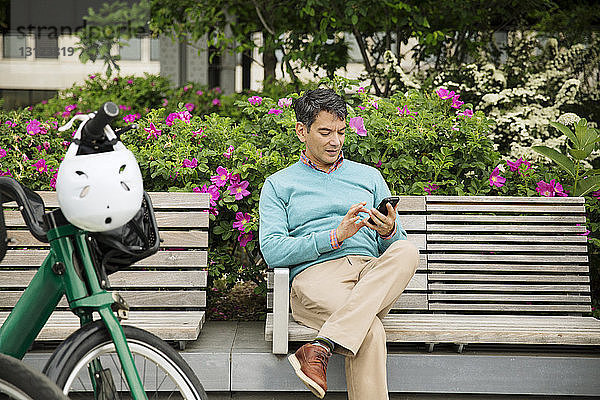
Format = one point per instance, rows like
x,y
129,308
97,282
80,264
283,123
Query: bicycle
x,y
21,382
86,245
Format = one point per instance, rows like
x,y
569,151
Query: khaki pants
x,y
346,299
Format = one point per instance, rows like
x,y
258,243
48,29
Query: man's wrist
x,y
389,234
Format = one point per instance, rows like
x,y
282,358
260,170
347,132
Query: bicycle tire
x,y
68,364
21,382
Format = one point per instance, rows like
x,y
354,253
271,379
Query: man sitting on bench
x,y
346,271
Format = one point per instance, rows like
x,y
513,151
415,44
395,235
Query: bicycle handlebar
x,y
94,128
30,204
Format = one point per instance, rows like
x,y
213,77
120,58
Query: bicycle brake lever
x,y
78,117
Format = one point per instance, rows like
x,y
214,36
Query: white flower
x,y
568,119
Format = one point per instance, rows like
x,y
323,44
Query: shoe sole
x,y
312,385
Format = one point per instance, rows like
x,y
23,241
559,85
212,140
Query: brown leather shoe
x,y
310,364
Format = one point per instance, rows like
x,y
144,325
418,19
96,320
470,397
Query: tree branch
x,y
262,19
363,51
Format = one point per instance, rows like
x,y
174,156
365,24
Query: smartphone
x,y
382,208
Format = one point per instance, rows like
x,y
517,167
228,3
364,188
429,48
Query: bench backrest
x,y
495,255
172,279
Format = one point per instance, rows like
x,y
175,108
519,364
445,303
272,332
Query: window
x,y
46,47
154,49
131,49
14,46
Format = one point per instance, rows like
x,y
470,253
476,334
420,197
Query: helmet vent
x,y
84,191
81,173
122,168
108,220
125,186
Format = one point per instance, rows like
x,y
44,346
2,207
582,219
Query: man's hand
x,y
383,224
348,227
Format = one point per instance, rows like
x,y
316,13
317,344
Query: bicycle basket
x,y
134,241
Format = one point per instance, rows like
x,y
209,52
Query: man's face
x,y
325,139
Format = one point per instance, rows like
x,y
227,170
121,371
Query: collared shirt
x,y
306,161
335,243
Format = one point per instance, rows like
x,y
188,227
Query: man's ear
x,y
301,131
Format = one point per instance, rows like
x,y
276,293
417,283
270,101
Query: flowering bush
x,y
423,142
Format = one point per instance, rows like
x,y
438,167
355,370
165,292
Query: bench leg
x,y
281,307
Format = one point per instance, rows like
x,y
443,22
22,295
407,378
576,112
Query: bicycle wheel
x,y
20,382
162,370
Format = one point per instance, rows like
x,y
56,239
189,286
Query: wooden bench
x,y
166,292
493,270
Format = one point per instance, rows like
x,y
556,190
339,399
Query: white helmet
x,y
102,191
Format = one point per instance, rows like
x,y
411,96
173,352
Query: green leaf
x,y
563,161
568,133
354,19
579,154
587,185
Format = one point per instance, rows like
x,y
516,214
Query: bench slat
x,y
506,228
506,238
508,267
168,325
507,278
413,222
506,247
517,208
121,279
191,239
143,299
567,298
507,257
576,308
509,288
172,219
432,328
517,219
504,199
179,259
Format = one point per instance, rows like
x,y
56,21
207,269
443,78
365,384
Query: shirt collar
x,y
306,161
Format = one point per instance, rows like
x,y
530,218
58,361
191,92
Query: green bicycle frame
x,y
68,269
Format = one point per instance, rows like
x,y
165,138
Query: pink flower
x,y
515,165
216,102
53,181
374,104
187,163
46,145
199,92
496,179
357,124
255,100
131,118
2,152
190,107
239,190
165,102
558,189
130,81
234,179
124,107
444,94
5,173
183,115
10,123
241,219
457,103
34,127
70,107
92,76
431,187
186,88
228,152
378,165
153,131
467,113
244,238
406,112
212,190
545,189
221,178
362,108
275,111
596,194
361,90
285,102
217,90
41,166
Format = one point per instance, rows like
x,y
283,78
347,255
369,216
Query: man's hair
x,y
308,106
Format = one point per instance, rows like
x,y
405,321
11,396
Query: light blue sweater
x,y
299,206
